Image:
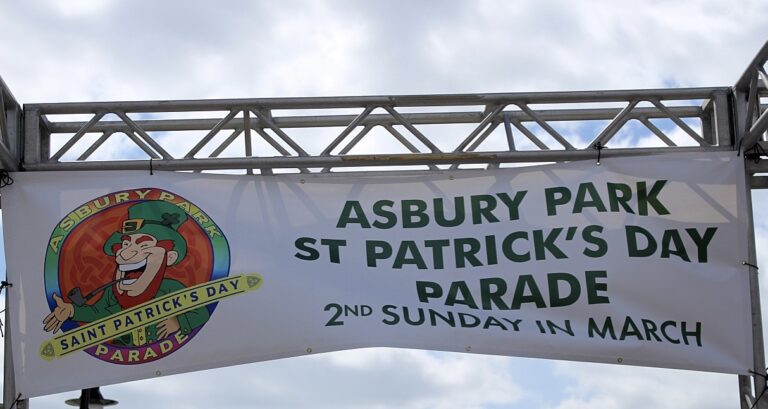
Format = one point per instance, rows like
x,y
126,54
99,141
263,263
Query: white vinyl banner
x,y
120,276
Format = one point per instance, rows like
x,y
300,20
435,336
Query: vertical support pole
x,y
722,119
32,137
247,137
9,377
758,347
740,109
85,398
11,122
14,124
708,123
739,112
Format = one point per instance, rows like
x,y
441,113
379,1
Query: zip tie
x,y
15,401
765,379
150,167
744,263
599,146
3,285
5,178
755,153
764,376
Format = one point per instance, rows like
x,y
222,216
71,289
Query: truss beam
x,y
540,119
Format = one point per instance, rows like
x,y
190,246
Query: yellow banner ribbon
x,y
146,314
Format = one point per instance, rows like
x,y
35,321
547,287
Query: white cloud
x,y
617,387
373,378
151,50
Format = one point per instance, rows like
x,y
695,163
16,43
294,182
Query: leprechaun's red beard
x,y
128,301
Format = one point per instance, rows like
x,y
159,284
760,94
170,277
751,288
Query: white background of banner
x,y
262,217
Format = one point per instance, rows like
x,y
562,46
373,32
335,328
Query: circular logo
x,y
125,276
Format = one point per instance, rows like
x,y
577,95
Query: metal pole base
x,y
90,398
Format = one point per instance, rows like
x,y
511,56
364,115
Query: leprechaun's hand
x,y
63,311
167,327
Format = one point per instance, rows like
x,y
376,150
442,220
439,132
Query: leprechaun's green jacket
x,y
107,305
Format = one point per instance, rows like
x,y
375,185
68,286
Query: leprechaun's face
x,y
141,262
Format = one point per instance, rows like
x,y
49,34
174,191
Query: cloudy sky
x,y
88,50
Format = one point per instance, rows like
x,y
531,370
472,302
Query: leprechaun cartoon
x,y
147,244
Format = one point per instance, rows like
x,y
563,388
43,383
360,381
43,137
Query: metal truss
x,y
325,134
488,129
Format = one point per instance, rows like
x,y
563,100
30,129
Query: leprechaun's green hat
x,y
157,218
